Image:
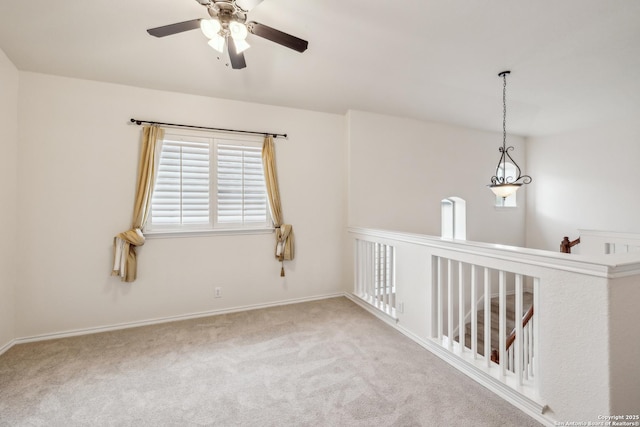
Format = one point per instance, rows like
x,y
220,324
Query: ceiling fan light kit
x,y
210,28
229,20
217,43
238,30
239,34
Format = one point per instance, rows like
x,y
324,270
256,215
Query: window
x,y
208,183
453,218
511,172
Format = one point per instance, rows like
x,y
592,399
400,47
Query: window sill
x,y
164,234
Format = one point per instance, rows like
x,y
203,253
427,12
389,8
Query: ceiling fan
x,y
228,25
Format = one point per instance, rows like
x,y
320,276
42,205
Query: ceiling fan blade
x,y
236,59
248,4
277,36
179,27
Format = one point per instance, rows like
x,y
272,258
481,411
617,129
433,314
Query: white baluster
x,y
356,267
440,309
360,268
461,307
531,347
529,370
474,313
383,279
380,278
376,275
363,269
525,351
450,304
389,279
392,281
536,338
517,353
502,319
370,272
487,316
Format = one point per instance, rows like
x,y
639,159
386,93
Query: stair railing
x,y
527,342
375,276
566,244
525,321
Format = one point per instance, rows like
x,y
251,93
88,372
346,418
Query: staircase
x,y
527,301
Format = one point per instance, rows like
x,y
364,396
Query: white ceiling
x,y
573,62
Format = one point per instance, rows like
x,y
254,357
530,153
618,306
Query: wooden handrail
x,y
495,355
512,336
566,244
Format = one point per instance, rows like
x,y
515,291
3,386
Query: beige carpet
x,y
322,363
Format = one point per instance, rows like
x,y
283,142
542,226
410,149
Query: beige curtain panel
x,y
284,232
124,244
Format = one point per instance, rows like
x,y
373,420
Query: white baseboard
x,y
7,346
363,304
115,327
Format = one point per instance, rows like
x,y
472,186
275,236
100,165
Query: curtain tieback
x,y
124,254
284,246
280,239
133,236
284,233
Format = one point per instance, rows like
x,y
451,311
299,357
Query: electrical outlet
x,y
401,307
217,293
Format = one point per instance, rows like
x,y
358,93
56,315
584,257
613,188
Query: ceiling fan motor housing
x,y
226,12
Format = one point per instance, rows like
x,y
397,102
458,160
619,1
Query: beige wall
x,y
78,157
400,169
585,179
8,196
77,165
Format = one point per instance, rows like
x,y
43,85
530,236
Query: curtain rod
x,y
275,135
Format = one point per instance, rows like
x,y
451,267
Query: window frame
x,y
453,218
212,227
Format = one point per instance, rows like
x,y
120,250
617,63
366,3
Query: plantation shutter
x,y
181,195
241,192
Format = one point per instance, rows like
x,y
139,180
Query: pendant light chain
x,y
504,109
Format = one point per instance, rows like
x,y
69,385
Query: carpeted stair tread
x,y
527,301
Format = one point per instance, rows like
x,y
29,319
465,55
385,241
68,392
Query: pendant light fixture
x,y
504,185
